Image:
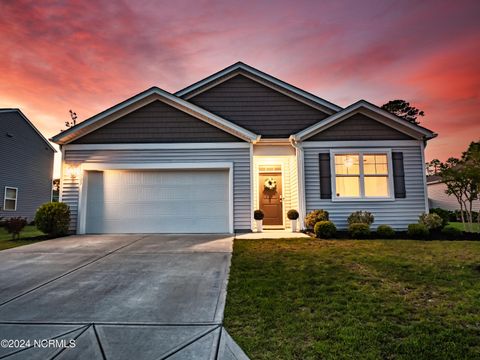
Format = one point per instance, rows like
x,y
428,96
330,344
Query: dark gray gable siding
x,y
156,122
258,108
26,163
359,127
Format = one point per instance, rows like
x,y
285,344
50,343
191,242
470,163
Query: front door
x,y
270,190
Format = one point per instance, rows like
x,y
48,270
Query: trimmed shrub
x,y
360,217
53,218
431,221
359,230
418,231
325,229
314,217
444,214
292,214
15,225
258,215
385,232
451,232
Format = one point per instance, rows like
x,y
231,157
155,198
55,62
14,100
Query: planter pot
x,y
294,225
259,225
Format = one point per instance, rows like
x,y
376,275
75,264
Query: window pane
x,y
348,186
11,193
375,164
10,204
376,186
347,164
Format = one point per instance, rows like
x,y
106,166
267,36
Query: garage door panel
x,y
157,201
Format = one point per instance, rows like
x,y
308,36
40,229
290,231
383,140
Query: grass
x,y
350,299
29,235
459,226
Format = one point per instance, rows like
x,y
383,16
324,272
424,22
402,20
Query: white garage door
x,y
170,201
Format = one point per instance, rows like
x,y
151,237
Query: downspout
x,y
300,179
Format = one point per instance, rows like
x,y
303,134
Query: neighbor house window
x,y
362,175
10,199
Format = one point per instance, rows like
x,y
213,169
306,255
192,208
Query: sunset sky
x,y
90,55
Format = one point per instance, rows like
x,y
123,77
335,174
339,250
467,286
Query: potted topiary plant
x,y
258,215
293,216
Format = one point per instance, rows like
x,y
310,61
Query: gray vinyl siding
x,y
239,156
26,163
156,122
359,127
398,213
258,108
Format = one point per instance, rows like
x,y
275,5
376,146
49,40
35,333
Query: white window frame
x,y
5,198
361,152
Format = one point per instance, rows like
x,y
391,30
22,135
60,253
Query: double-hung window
x,y
362,175
10,198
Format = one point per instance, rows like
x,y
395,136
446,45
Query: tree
x,y
73,122
402,109
433,167
471,157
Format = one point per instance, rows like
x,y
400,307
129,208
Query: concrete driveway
x,y
118,297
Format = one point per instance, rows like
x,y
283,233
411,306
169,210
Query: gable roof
x,y
259,76
383,116
145,98
29,123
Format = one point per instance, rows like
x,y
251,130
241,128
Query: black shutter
x,y
398,175
325,176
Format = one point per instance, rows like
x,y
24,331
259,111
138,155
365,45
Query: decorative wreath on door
x,y
270,183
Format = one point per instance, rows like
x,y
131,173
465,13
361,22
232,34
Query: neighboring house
x,y
202,159
437,198
26,166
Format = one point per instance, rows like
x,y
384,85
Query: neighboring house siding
x,y
398,213
359,127
258,108
239,156
156,122
26,163
438,199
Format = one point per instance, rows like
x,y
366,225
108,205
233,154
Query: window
x,y
362,175
10,199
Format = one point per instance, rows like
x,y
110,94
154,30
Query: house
x,y
202,159
26,166
437,198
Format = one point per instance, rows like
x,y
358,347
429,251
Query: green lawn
x,y
459,226
350,299
29,232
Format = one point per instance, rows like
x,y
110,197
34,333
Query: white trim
x,y
282,174
281,84
143,99
252,190
155,146
85,167
31,124
396,122
14,199
361,153
359,144
424,176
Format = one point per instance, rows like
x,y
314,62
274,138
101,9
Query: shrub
x,y
360,217
417,231
431,221
53,218
385,231
325,229
451,232
444,214
15,225
292,214
314,217
258,215
359,230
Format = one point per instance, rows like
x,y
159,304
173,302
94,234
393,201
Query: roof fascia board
x,y
378,114
289,90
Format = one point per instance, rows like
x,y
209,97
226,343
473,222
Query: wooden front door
x,y
271,199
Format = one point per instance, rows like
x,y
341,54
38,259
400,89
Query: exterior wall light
x,y
72,171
